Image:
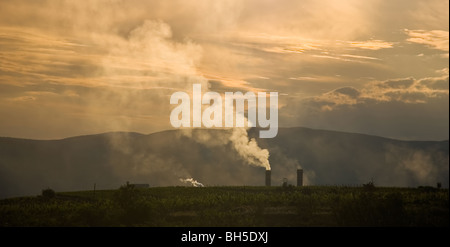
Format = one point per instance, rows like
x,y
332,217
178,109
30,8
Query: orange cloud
x,y
436,39
371,44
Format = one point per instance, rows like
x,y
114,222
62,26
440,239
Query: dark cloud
x,y
434,83
348,91
397,84
404,109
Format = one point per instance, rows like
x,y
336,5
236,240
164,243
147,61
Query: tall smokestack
x,y
299,177
268,177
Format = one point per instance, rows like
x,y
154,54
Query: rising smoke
x,y
192,182
175,67
249,149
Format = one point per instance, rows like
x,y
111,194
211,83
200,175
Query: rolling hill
x,y
161,159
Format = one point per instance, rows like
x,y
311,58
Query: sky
x,y
377,67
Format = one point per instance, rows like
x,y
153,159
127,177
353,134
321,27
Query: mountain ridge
x,y
168,130
162,158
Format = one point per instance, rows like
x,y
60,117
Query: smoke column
x,y
174,64
249,149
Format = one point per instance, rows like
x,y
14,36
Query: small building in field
x,y
139,186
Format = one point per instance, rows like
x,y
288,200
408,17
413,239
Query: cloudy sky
x,y
70,68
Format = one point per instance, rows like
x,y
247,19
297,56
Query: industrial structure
x,y
268,177
299,178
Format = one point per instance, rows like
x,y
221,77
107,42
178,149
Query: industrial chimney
x,y
268,177
299,177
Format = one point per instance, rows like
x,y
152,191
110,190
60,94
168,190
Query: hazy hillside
x,y
160,159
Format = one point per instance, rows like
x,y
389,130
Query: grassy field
x,y
232,206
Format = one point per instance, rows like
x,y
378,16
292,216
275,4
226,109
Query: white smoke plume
x,y
140,68
166,63
192,181
249,149
164,53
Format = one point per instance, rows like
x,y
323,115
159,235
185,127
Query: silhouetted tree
x,y
48,193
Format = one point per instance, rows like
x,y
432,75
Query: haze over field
x,y
170,158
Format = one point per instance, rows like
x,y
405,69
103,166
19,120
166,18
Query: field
x,y
232,206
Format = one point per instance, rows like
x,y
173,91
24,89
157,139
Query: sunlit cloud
x,y
303,78
371,44
348,58
127,62
360,57
275,43
234,84
436,39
